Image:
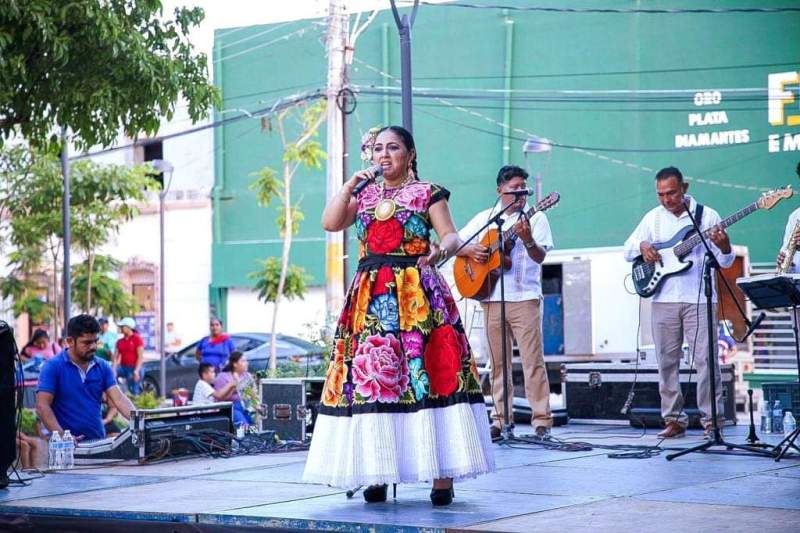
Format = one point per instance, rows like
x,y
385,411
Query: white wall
x,y
302,318
187,251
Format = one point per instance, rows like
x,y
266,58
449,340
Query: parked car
x,y
181,367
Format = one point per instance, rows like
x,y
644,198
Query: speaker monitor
x,y
8,400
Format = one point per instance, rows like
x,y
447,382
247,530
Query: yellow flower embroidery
x,y
362,303
413,306
335,377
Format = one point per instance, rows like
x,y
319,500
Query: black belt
x,y
369,262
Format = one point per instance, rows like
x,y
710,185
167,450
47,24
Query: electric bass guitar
x,y
648,277
476,280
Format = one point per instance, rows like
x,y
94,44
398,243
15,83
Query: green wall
x,y
604,193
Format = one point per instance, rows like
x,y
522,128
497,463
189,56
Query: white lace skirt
x,y
375,448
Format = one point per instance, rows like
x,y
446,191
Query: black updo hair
x,y
408,142
233,358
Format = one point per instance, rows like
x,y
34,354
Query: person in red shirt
x,y
129,355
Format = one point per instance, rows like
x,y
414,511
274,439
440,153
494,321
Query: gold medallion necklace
x,y
387,206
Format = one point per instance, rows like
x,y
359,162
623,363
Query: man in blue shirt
x,y
71,385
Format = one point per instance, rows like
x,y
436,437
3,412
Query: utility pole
x,y
65,209
338,27
404,25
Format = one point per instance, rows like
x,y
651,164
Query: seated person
x,y
39,346
26,450
236,371
71,385
204,392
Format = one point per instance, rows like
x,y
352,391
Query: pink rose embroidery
x,y
414,197
369,197
380,371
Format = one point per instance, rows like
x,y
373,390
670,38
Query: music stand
x,y
770,291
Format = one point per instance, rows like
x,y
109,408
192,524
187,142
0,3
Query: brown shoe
x,y
494,431
673,431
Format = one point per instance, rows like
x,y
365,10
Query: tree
x,y
103,197
98,292
96,67
304,150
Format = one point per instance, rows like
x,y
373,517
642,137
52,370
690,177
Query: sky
x,y
236,13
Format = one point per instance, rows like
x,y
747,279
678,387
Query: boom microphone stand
x,y
507,430
716,435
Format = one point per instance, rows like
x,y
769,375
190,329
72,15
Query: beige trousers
x,y
523,320
674,323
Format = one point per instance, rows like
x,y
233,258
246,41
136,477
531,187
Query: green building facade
x,y
620,95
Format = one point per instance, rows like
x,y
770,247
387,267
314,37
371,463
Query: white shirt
x,y
203,393
523,281
787,235
659,225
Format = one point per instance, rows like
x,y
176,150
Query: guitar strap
x,y
698,214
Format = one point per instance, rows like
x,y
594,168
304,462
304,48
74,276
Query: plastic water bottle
x,y
54,447
777,417
789,423
766,417
69,449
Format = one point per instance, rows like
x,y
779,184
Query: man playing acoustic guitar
x,y
676,315
523,293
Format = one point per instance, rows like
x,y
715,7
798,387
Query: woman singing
x,y
401,401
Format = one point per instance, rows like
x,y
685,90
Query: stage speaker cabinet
x,y
290,406
595,393
8,399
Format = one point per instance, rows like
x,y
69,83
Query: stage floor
x,y
533,489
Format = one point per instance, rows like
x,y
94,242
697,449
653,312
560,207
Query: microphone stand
x,y
716,434
507,430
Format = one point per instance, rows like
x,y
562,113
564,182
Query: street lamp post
x,y
536,145
165,167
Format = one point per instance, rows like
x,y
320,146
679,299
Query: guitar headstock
x,y
770,198
548,201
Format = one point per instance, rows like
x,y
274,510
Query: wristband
x,y
529,245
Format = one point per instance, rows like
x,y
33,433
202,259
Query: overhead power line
x,y
279,105
611,72
645,11
596,148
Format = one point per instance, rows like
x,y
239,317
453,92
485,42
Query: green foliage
x,y
28,422
97,67
146,400
292,369
108,295
102,198
267,278
267,186
296,215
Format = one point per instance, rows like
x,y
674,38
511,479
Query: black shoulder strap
x,y
698,214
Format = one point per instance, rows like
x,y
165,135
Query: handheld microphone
x,y
520,192
377,169
754,325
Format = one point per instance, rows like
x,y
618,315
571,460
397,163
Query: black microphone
x,y
520,192
754,325
377,169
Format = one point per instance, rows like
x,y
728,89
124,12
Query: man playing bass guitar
x,y
523,293
676,315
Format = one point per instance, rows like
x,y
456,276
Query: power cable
x,y
255,35
263,112
609,73
600,149
652,11
286,37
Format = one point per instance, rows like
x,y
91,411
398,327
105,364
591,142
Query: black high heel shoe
x,y
377,493
442,496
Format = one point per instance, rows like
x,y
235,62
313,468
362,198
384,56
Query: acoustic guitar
x,y
648,277
476,280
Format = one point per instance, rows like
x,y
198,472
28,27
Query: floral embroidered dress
x,y
401,400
